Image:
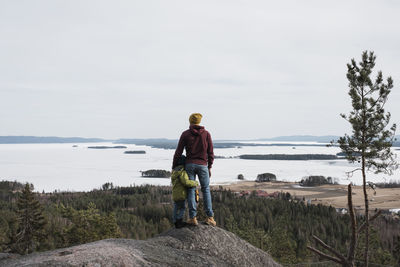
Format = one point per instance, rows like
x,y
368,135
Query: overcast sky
x,y
137,69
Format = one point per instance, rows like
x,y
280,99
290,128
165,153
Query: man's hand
x,y
209,173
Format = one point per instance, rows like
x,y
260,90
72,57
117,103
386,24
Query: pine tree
x,y
370,142
369,145
283,248
31,222
88,225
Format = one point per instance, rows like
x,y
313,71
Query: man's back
x,y
198,144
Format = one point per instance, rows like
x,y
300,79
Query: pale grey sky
x,y
139,68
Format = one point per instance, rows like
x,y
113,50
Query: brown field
x,y
334,195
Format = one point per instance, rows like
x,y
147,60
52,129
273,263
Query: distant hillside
x,y
155,143
46,140
171,143
313,138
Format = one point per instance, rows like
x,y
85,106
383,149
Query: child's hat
x,y
182,160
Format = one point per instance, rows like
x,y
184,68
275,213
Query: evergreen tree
x,y
370,142
275,225
4,229
31,222
283,248
377,254
396,250
88,225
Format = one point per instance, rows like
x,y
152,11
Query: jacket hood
x,y
196,129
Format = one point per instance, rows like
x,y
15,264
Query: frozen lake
x,y
64,167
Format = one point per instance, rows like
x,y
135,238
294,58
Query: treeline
x,y
316,180
106,147
390,184
172,144
156,173
47,140
289,157
282,226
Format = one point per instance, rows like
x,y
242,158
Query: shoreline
x,y
328,195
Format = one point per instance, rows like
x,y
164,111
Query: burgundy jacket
x,y
199,147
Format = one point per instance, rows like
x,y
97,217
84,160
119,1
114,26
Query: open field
x,y
334,195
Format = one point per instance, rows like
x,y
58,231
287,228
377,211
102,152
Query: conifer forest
x,y
281,226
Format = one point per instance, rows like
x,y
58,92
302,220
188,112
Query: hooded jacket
x,y
180,182
199,147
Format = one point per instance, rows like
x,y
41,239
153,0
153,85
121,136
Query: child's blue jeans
x,y
179,210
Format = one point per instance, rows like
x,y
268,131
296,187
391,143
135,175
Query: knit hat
x,y
195,118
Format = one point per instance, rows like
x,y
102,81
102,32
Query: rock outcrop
x,y
190,246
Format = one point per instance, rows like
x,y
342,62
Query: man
x,y
199,159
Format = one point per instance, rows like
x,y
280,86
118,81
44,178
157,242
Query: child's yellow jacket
x,y
180,182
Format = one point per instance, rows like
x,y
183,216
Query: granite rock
x,y
190,246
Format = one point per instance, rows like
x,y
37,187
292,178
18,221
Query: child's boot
x,y
180,223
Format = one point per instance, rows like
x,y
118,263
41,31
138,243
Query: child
x,y
180,182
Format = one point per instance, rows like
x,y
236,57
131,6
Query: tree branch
x,y
329,248
362,227
374,104
350,173
323,255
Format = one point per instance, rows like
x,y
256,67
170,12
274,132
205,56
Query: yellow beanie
x,y
195,118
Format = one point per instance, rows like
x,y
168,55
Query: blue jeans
x,y
179,210
202,172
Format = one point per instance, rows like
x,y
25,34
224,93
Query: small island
x,y
316,180
266,177
135,152
223,157
156,173
106,147
343,154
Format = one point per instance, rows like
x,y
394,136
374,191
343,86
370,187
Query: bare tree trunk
x,y
366,214
354,234
363,143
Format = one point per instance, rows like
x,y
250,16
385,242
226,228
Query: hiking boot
x,y
179,224
210,221
192,222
